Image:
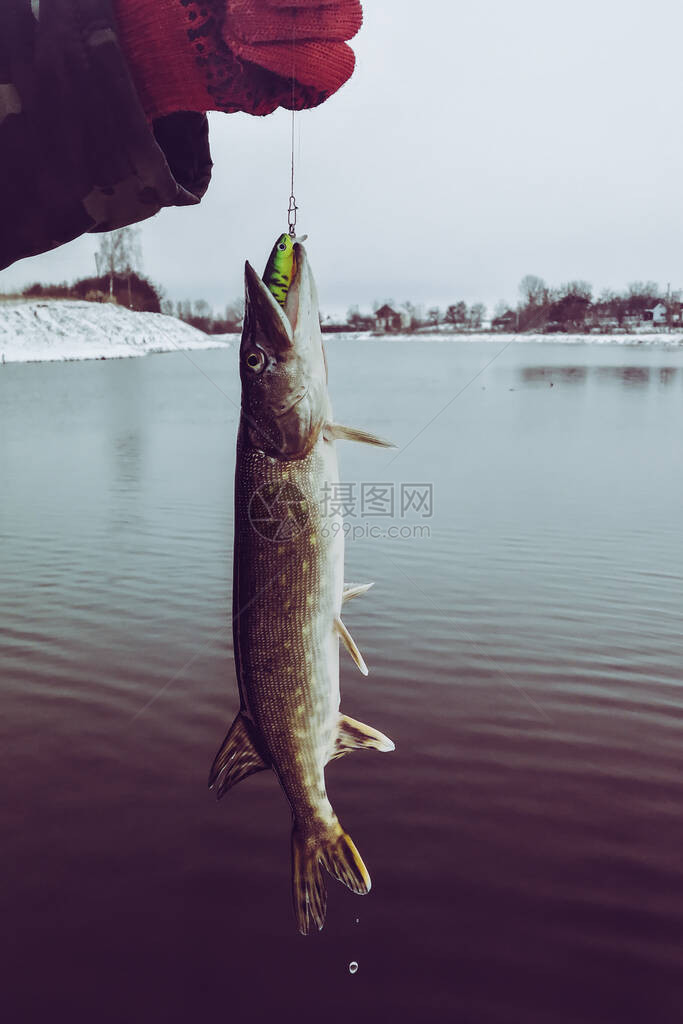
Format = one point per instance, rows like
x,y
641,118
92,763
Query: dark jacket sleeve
x,y
76,151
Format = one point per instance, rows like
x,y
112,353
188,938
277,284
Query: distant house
x,y
387,319
656,315
505,322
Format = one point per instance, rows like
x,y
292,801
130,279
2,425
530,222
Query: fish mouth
x,y
279,323
292,405
263,315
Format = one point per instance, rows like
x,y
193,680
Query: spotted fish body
x,y
279,271
288,587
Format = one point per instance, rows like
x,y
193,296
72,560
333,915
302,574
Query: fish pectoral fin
x,y
350,645
237,758
353,735
352,590
338,432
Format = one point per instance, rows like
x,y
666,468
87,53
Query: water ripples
x,y
525,656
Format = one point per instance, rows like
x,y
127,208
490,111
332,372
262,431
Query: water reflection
x,y
127,451
629,376
550,374
667,374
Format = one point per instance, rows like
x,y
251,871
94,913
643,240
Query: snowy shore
x,y
673,340
46,331
59,330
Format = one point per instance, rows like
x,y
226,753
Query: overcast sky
x,y
477,142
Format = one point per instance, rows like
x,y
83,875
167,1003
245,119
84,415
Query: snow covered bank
x,y
59,330
673,340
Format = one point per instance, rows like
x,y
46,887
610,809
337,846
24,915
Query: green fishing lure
x,y
279,271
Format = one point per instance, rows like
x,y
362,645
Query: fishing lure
x,y
281,267
279,271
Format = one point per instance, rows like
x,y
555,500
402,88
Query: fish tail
x,y
333,850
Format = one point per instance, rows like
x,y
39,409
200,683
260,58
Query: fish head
x,y
282,365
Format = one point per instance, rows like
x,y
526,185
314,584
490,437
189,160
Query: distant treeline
x,y
200,315
571,307
131,290
137,292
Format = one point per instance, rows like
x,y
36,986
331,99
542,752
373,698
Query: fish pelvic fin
x,y
350,645
352,590
338,432
333,850
237,758
353,735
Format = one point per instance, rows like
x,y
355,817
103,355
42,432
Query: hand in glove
x,y
249,55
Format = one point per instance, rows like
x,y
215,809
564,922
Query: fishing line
x,y
292,208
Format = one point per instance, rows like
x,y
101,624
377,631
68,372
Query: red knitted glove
x,y
250,55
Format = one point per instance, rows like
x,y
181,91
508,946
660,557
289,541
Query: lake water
x,y
524,641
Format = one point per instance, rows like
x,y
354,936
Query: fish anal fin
x,y
352,590
350,645
354,735
339,432
237,758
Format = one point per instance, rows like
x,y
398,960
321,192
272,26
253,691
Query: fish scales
x,y
287,594
288,585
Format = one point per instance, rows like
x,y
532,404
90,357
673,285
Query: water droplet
x,y
353,967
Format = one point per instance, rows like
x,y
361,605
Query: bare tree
x,y
234,313
533,290
579,289
477,314
119,252
648,288
456,313
412,313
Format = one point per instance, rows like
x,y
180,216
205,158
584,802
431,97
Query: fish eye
x,y
282,246
256,360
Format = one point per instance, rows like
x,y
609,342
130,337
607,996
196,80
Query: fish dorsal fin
x,y
352,590
353,735
350,645
338,432
237,757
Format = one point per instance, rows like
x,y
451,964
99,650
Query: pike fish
x,y
288,587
